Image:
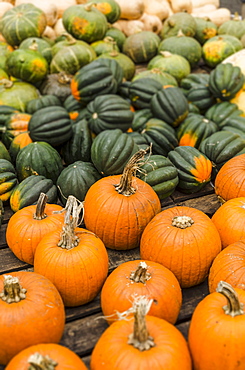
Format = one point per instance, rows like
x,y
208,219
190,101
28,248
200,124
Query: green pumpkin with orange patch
x,y
110,8
194,168
8,179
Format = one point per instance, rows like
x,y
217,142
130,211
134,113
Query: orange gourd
x,y
49,356
28,226
184,240
229,266
145,342
73,258
32,312
136,278
217,330
230,180
118,208
229,220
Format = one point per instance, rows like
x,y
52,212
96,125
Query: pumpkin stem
x,y
89,6
234,307
64,78
140,338
140,275
125,186
166,54
69,38
41,203
180,33
12,290
33,46
6,83
73,208
40,362
182,222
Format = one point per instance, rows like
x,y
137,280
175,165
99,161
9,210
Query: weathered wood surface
x,y
84,324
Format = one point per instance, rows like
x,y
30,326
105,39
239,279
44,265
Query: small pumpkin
x,y
110,8
57,84
180,20
205,30
17,94
142,46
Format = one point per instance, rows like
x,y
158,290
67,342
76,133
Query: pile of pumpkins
x,y
79,125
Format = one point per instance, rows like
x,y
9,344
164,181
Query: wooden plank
x,y
3,242
8,262
178,196
207,204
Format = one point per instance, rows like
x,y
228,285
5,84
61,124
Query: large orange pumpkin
x,y
46,356
28,226
73,258
217,330
32,312
229,266
144,343
136,278
229,220
184,240
118,208
230,180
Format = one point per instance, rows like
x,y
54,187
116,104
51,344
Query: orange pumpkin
x,y
217,330
229,266
229,220
45,355
230,180
73,258
27,227
184,240
147,342
137,278
32,312
118,208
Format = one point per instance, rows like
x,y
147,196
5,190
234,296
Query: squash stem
x,y
125,186
40,362
234,307
140,275
140,338
41,204
182,222
12,290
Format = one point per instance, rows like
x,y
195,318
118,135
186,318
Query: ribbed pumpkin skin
x,y
118,36
141,46
205,29
65,358
28,191
76,179
85,265
24,232
39,158
51,124
229,221
42,45
109,112
228,266
42,299
21,22
85,22
110,8
222,112
8,179
118,290
42,102
125,62
225,81
4,153
230,180
117,219
18,95
234,27
111,150
193,167
210,331
163,77
170,105
104,46
177,21
187,252
161,174
167,338
27,65
142,90
194,129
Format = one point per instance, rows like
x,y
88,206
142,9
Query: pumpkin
x,y
28,191
139,202
180,20
79,259
118,36
22,21
17,94
234,27
229,221
141,278
19,142
110,8
57,84
205,30
217,316
8,179
50,8
104,46
235,125
157,74
46,354
42,102
125,62
142,46
28,225
142,343
85,22
184,240
24,296
5,50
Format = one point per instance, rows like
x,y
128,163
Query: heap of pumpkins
x,y
79,125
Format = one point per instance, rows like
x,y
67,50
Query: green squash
x,y
205,30
142,46
39,44
76,179
15,124
17,143
8,179
42,102
235,125
161,174
222,112
234,27
5,50
104,46
38,158
157,74
17,94
117,35
28,191
4,153
110,8
57,84
178,21
125,62
142,90
141,116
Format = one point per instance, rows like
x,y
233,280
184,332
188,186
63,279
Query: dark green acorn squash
x,y
142,90
8,179
235,125
141,117
42,102
222,112
4,153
